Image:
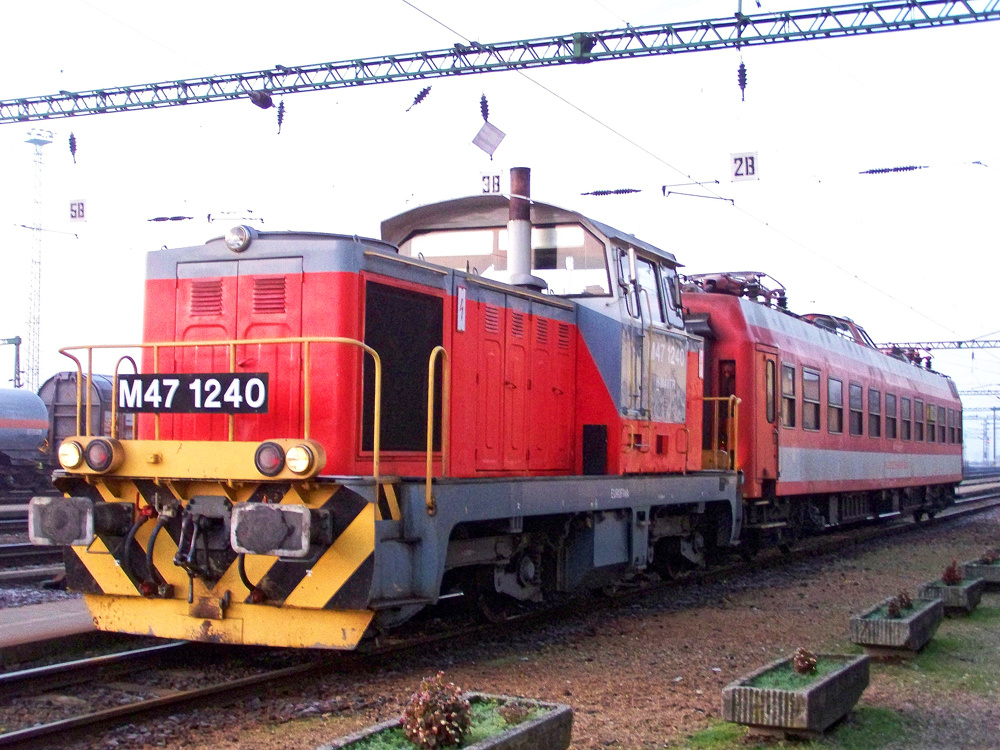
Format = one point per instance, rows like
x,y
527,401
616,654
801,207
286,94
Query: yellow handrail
x,y
231,344
445,420
732,428
114,392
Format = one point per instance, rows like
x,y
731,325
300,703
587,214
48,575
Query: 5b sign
x,y
743,166
78,210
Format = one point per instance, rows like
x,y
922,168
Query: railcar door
x,y
765,409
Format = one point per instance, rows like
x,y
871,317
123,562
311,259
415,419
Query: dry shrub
x,y
804,661
437,715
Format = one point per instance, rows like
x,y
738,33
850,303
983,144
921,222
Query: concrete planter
x,y
550,731
805,712
990,573
959,599
884,636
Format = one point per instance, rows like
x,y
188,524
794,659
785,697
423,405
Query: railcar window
x,y
857,415
835,406
890,416
769,391
788,395
931,432
951,425
672,296
958,425
918,419
874,413
648,290
810,399
942,425
570,259
904,407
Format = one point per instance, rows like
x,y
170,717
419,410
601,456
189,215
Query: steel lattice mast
x,y
461,59
38,139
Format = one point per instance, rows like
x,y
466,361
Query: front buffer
x,y
219,556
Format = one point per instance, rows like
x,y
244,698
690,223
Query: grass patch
x,y
486,722
963,655
867,728
784,676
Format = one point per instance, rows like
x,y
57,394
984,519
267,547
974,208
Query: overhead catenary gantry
x,y
465,59
927,346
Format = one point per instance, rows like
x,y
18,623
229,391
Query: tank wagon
x,y
333,434
23,428
499,398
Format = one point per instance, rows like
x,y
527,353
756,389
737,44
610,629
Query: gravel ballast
x,y
645,674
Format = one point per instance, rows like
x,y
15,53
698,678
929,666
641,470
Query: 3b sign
x,y
77,210
743,166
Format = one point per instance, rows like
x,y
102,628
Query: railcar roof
x,y
481,211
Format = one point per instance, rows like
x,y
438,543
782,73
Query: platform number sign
x,y
78,210
744,166
491,183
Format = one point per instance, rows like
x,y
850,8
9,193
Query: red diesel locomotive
x,y
334,433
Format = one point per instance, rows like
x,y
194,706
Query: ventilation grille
x,y
563,336
269,294
206,297
517,325
542,331
492,321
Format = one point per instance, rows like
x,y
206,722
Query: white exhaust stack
x,y
519,231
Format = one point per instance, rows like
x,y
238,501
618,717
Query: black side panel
x,y
595,449
403,327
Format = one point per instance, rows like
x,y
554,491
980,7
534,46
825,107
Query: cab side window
x,y
788,395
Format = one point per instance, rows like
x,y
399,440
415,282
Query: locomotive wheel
x,y
492,607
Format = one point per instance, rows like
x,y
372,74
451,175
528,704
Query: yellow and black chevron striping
x,y
318,601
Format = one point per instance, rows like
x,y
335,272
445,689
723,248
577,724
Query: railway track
x,y
148,697
23,555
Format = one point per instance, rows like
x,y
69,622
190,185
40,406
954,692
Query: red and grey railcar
x,y
832,430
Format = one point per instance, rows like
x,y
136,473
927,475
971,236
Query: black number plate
x,y
194,393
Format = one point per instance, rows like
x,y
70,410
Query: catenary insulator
x,y
741,78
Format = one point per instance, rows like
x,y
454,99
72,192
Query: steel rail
x,y
465,59
63,727
38,679
14,555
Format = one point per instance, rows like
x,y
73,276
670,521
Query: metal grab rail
x,y
732,431
445,420
306,341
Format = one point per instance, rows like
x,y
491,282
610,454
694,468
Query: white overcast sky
x,y
910,256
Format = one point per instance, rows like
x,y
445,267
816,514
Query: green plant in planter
x,y
437,715
952,575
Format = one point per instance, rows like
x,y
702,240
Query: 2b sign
x,y
743,166
77,210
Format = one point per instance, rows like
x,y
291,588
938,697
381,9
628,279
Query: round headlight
x,y
299,459
70,454
100,454
269,459
238,238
